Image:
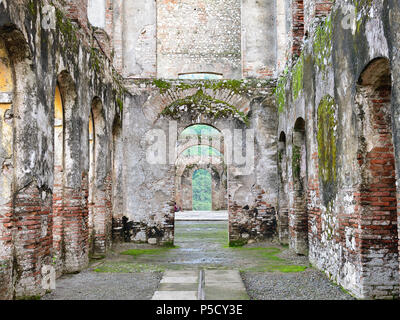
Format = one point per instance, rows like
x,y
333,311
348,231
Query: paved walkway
x,y
134,271
201,216
201,285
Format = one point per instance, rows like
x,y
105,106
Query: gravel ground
x,y
89,285
308,285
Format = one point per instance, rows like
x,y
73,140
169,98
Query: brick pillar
x,y
378,203
58,230
6,245
33,239
75,229
102,217
298,218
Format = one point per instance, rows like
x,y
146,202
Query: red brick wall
x,y
297,26
102,217
378,243
6,227
58,231
33,238
259,223
77,11
323,8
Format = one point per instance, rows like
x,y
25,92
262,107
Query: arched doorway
x,y
201,186
378,203
202,199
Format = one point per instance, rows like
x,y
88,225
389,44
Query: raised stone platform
x,y
202,216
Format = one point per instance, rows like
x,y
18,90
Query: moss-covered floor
x,y
201,244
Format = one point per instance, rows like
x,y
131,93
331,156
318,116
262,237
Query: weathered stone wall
x,y
259,49
350,200
43,57
199,36
166,38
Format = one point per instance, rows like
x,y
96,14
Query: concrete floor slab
x,y
223,292
178,287
222,276
181,279
181,273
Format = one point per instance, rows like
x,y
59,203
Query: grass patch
x,y
36,297
237,243
267,252
138,252
286,268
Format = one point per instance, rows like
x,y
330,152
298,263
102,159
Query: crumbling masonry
x,y
311,86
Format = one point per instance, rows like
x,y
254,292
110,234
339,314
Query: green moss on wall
x,y
296,160
322,45
327,143
297,77
67,29
280,93
164,86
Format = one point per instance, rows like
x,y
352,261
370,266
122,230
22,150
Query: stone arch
x,y
100,215
283,210
187,141
377,200
298,219
159,102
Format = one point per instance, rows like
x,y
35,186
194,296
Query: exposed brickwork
x,y
58,226
297,26
6,245
102,217
377,202
33,240
77,11
323,8
255,223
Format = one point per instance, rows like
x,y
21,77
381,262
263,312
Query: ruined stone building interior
x,y
101,107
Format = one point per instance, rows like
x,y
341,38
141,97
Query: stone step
x,y
203,285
